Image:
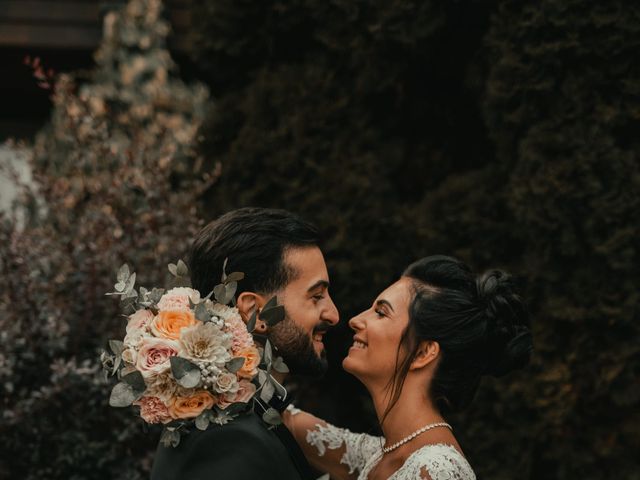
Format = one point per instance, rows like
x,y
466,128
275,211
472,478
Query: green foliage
x,y
117,181
499,132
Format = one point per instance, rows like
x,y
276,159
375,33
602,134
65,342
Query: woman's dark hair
x,y
480,323
254,240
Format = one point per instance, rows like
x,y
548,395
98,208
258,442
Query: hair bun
x,y
509,341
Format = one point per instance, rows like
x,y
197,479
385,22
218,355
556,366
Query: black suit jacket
x,y
243,449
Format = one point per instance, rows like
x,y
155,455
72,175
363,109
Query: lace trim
x,y
359,447
362,452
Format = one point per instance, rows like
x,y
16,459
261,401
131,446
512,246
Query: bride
x,y
421,350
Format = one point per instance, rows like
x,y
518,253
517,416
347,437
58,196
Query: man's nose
x,y
330,314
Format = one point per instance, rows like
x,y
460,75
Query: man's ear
x,y
247,303
428,352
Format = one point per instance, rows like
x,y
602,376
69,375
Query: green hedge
x,y
499,132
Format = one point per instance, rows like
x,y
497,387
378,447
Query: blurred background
x,y
504,133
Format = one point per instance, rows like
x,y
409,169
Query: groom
x,y
278,253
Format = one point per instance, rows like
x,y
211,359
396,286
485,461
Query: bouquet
x,y
190,361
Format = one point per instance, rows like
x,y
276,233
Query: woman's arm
x,y
330,449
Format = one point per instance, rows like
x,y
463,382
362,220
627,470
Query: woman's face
x,y
372,356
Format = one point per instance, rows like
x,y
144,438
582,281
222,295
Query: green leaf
x,y
173,269
130,283
123,273
136,381
235,364
186,373
202,420
220,291
272,315
279,366
170,437
234,277
272,417
181,269
224,270
230,291
267,356
122,395
116,346
273,301
267,391
251,324
202,313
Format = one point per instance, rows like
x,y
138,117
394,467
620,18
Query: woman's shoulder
x,y
438,461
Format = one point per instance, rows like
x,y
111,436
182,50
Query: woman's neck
x,y
412,411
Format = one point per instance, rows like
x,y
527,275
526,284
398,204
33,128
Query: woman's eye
x,y
380,313
318,297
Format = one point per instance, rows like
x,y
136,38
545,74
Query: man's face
x,y
309,313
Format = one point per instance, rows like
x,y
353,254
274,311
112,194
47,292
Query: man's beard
x,y
296,348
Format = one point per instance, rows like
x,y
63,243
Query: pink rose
x,y
177,299
245,392
139,320
153,355
153,410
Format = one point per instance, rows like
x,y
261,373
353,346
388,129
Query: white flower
x,y
205,342
227,383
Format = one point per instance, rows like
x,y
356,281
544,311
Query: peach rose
x,y
251,361
177,299
168,323
191,406
246,390
153,410
139,320
153,356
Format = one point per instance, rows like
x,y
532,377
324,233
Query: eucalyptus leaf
x,y
136,381
279,366
170,438
202,313
116,346
123,273
202,420
273,301
224,270
220,291
182,269
272,315
268,389
156,294
130,283
173,269
122,395
251,324
119,287
234,277
272,417
267,356
186,373
235,364
230,291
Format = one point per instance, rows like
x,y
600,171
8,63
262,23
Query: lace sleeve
x,y
359,447
436,462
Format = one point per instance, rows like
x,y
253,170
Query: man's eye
x,y
318,297
379,312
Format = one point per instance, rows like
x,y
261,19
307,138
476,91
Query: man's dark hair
x,y
254,240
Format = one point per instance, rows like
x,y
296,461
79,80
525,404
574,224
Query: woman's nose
x,y
357,322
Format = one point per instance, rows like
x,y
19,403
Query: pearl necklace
x,y
415,434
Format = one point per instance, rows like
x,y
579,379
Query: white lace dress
x,y
363,452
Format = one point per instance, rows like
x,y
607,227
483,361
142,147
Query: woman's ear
x,y
247,303
428,352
